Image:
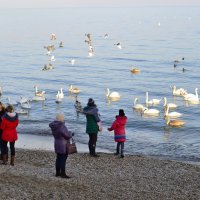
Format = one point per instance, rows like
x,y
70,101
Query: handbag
x,y
71,146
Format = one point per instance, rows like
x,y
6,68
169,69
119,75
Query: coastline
x,y
106,177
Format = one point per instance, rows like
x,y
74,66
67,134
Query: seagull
x,y
53,36
48,67
119,45
106,36
52,59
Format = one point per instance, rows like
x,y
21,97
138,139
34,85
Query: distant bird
x,y
48,67
60,94
112,95
88,38
78,106
72,62
61,44
106,36
135,70
52,59
38,93
74,90
53,36
119,45
175,65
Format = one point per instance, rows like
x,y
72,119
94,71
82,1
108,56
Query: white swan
x,y
170,105
38,93
171,114
60,94
151,112
53,36
26,105
136,105
152,101
52,59
191,96
59,97
12,102
178,92
38,98
23,100
112,95
74,90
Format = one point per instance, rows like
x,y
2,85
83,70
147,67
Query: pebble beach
x,y
106,177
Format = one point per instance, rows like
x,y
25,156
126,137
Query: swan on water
x,y
39,98
171,114
134,70
151,112
38,93
59,97
190,96
178,92
74,90
23,100
137,106
12,102
112,95
175,123
170,105
152,101
53,36
26,105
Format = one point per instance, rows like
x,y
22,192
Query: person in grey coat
x,y
61,138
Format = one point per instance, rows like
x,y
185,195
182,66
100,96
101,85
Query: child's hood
x,y
121,120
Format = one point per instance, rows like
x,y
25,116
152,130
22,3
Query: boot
x,y
94,151
4,158
117,150
90,148
122,153
58,172
1,157
63,174
12,160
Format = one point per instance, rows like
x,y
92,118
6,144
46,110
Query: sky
x,y
93,3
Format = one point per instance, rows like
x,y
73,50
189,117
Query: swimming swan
x,y
171,114
192,97
171,105
151,112
153,101
175,123
12,102
178,92
74,90
137,106
112,95
38,93
26,105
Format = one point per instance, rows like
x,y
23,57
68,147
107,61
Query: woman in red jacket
x,y
119,130
8,125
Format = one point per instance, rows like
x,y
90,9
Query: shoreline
x,y
106,177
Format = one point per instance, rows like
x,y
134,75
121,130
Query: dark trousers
x,y
4,148
120,146
60,163
92,143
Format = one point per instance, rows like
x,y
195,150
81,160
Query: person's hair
x,y
9,108
91,102
2,107
60,117
121,113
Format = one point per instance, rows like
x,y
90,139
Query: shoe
x,y
12,160
64,176
5,161
116,154
122,156
57,174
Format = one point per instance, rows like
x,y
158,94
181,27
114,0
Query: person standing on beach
x,y
92,127
119,130
9,133
61,138
2,112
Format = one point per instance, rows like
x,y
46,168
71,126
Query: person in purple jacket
x,y
61,137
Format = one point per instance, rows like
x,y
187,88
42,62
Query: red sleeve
x,y
114,125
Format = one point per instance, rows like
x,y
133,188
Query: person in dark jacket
x,y
61,138
92,128
119,130
2,112
9,133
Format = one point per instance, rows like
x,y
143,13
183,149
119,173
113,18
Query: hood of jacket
x,y
121,120
90,109
56,124
11,116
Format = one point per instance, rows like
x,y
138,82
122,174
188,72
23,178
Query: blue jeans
x,y
60,164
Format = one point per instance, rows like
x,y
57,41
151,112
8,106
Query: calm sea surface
x,y
151,38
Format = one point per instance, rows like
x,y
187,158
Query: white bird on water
x,y
192,97
151,112
119,45
152,101
52,59
171,105
112,95
136,105
72,61
171,114
12,102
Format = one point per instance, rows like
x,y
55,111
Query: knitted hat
x,y
90,102
121,113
